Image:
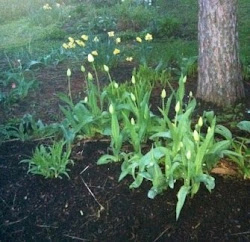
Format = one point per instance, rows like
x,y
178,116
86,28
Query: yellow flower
x,y
80,43
71,39
85,37
118,40
138,39
148,37
96,39
116,51
47,7
90,58
111,34
71,45
94,52
65,46
129,58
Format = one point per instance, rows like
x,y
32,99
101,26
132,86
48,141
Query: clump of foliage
x,y
50,162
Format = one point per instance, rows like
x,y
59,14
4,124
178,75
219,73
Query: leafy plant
x,y
50,162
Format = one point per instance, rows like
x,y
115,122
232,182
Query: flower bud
x,y
190,94
196,136
82,68
85,100
188,154
177,107
200,122
106,68
111,109
90,76
163,94
116,85
90,58
132,121
184,79
132,96
68,72
133,79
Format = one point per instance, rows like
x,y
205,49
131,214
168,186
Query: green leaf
x,y
207,180
222,130
105,159
244,125
162,135
182,194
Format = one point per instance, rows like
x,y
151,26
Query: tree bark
x,y
219,78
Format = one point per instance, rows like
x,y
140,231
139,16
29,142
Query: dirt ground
x,y
92,205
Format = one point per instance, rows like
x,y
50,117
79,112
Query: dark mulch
x,y
36,209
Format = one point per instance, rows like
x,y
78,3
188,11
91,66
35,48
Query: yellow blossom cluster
x,y
47,7
148,37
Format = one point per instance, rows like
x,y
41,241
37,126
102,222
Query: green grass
x,y
26,27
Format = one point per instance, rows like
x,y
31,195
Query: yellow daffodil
x,y
148,37
47,7
71,39
129,59
116,51
94,52
118,40
65,46
71,45
80,43
85,37
138,39
90,58
111,34
96,39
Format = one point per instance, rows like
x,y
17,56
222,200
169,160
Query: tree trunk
x,y
219,78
